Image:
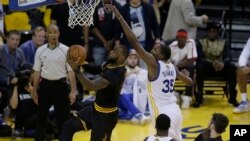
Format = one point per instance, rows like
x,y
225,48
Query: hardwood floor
x,y
195,119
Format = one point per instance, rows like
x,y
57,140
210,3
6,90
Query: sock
x,y
244,96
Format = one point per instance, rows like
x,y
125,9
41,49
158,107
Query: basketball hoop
x,y
81,12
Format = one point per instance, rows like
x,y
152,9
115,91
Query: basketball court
x,y
195,119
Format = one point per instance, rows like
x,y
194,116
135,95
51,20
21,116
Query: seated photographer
x,y
21,101
23,105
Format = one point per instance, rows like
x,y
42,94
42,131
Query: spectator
x,y
242,73
163,6
162,126
141,17
21,101
183,55
103,32
29,47
181,15
11,59
217,126
214,60
134,92
2,36
51,73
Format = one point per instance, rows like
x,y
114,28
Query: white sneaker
x,y
178,99
243,107
186,100
139,119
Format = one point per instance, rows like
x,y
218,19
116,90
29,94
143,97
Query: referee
x,y
51,76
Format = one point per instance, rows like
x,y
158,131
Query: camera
x,y
23,74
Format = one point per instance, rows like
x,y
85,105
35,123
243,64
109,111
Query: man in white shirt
x,y
133,98
54,82
242,73
183,55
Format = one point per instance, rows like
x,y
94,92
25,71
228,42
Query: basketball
x,y
77,54
60,1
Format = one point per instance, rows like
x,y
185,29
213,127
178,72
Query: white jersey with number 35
x,y
161,90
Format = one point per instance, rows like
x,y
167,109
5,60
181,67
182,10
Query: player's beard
x,y
131,66
111,60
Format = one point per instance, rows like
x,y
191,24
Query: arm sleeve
x,y
155,25
37,62
192,54
189,14
23,60
227,57
245,54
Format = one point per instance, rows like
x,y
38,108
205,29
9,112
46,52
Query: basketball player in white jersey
x,y
162,126
161,77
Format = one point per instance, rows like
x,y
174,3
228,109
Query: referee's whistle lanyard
x,y
11,64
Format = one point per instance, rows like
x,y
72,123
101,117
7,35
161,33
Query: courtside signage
x,y
18,5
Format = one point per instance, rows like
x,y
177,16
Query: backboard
x,y
20,5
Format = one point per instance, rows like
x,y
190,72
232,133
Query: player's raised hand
x,y
73,64
185,72
113,9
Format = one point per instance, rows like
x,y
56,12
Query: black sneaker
x,y
196,104
233,102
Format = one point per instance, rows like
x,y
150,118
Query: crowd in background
x,y
153,22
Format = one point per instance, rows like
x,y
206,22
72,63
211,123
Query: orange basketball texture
x,y
77,54
60,1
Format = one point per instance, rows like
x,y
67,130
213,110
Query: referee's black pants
x,y
52,93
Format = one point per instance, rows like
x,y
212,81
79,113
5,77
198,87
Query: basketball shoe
x,y
186,101
140,119
243,107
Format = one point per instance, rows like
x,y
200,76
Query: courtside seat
x,y
215,86
179,86
212,86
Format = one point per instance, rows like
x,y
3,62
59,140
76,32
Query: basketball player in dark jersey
x,y
101,116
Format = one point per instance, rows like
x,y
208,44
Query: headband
x,y
181,34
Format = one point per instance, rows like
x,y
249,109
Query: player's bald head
x,y
52,27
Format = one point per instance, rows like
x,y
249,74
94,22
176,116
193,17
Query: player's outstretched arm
x,y
147,57
184,76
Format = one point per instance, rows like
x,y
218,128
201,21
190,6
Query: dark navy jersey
x,y
26,108
108,96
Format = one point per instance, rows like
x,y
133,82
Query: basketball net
x,y
81,12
